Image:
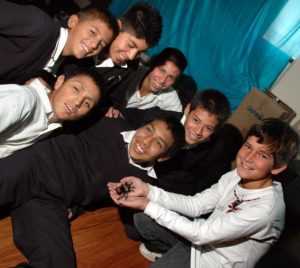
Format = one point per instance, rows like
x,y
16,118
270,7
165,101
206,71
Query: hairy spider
x,y
123,190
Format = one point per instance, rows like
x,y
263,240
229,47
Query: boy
x,y
32,41
31,112
152,87
43,181
247,206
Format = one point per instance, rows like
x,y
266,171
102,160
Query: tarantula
x,y
123,190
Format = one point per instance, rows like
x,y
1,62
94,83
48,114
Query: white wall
x,y
287,89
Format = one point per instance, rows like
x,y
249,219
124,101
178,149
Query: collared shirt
x,y
165,100
57,52
127,136
24,115
109,64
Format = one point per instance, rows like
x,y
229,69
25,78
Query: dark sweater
x,y
73,169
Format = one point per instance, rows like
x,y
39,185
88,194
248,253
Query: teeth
x,y
139,148
86,48
69,107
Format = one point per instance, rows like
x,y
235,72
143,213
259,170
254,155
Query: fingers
x,y
109,113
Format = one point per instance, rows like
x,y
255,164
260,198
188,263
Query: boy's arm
x,y
224,228
192,206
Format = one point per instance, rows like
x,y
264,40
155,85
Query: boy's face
x,y
126,47
162,77
86,37
255,163
199,125
73,98
150,142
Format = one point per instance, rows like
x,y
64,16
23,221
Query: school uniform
x,y
28,37
53,176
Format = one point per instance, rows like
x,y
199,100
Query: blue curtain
x,y
227,42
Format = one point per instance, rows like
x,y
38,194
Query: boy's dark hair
x,y
102,13
279,136
90,72
169,54
144,22
214,102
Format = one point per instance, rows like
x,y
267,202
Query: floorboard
x,y
99,242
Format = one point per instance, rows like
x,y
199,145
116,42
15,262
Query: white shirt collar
x,y
60,44
127,136
109,63
43,91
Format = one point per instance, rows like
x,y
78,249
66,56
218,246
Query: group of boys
x,y
73,169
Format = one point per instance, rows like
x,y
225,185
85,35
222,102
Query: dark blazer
x,y
27,38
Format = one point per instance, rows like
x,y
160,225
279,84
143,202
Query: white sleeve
x,y
192,206
226,227
16,104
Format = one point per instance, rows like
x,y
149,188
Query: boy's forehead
x,y
267,148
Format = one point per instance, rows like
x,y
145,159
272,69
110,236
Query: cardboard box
x,y
258,105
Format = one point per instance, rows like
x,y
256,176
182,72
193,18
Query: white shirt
x,y
109,63
24,114
165,100
229,237
127,136
60,44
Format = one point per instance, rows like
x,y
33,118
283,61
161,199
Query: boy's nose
x,y
132,54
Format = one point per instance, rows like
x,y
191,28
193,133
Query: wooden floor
x,y
99,242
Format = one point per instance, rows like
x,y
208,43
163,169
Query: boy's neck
x,y
258,184
144,87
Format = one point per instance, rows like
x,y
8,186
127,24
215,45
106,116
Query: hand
x,y
140,189
113,113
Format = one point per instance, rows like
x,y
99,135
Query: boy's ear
x,y
187,109
59,81
72,21
276,171
120,24
161,159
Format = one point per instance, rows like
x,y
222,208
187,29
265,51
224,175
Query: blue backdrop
x,y
224,40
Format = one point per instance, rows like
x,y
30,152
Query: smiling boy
x,y
30,112
247,207
152,86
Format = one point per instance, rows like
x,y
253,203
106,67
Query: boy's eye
x,y
195,119
209,129
76,89
159,144
247,145
87,104
130,44
92,31
263,155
